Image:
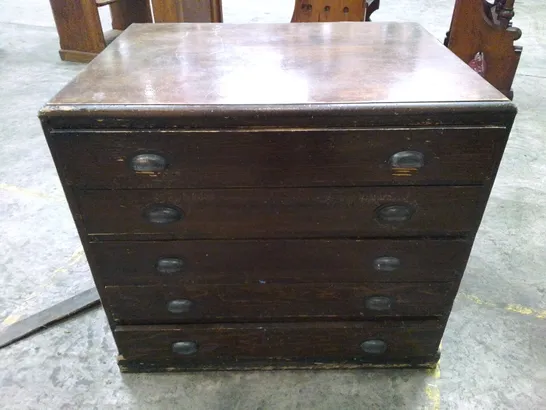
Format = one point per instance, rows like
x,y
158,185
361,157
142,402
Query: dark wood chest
x,y
277,196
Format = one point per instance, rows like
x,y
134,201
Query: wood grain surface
x,y
275,158
226,344
274,64
281,213
267,302
279,261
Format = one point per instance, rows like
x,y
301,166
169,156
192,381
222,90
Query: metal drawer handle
x,y
378,303
374,346
179,306
386,263
407,159
168,266
394,213
185,348
148,163
163,214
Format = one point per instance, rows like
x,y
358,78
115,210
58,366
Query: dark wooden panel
x,y
266,302
126,12
257,158
170,366
280,343
279,261
288,213
201,11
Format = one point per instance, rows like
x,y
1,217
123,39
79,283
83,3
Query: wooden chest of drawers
x,y
277,196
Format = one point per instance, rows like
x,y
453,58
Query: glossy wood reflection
x,y
276,64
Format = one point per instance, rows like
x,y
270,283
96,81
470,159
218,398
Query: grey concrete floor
x,y
494,348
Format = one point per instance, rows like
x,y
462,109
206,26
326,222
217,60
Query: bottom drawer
x,y
279,345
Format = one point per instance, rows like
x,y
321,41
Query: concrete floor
x,y
494,349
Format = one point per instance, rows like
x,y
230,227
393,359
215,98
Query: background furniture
x,y
79,27
306,11
482,35
278,209
480,32
80,32
328,10
189,11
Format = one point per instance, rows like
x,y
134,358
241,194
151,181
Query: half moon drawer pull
x,y
148,163
386,263
407,159
374,346
185,348
169,266
379,303
394,213
179,306
163,214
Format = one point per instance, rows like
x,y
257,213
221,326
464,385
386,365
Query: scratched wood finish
x,y
280,183
281,213
267,302
284,342
230,117
314,63
279,261
256,158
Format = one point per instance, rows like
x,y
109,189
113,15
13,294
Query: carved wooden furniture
x,y
306,11
79,27
190,11
80,32
277,195
481,35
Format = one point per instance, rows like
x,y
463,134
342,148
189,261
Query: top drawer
x,y
283,158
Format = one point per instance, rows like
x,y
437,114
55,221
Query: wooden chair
x,y
189,11
329,10
482,35
333,10
80,31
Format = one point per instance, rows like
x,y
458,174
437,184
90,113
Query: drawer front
x,y
278,261
285,213
224,303
288,158
324,341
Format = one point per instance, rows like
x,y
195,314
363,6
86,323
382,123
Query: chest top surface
x,y
275,64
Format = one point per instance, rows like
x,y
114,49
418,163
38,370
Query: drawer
x,y
265,302
286,158
278,261
233,346
281,213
